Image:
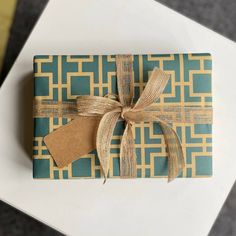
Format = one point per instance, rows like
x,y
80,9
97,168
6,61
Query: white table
x,y
121,207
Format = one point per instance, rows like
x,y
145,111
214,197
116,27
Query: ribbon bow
x,y
112,110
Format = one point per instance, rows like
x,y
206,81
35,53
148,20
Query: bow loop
x,y
95,105
154,88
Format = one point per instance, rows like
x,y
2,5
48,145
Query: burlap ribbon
x,y
144,110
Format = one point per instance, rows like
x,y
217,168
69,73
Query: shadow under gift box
x,y
63,78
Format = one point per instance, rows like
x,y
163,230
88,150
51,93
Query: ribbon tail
x,y
176,161
127,154
104,137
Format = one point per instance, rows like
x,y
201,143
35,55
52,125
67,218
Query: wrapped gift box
x,y
63,78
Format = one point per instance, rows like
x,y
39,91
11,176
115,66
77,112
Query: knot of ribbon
x,y
124,110
110,111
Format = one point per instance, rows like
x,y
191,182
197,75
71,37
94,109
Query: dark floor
x,y
219,15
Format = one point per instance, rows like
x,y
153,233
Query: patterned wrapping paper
x,y
62,78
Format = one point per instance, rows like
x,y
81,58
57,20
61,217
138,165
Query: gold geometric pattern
x,y
63,78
